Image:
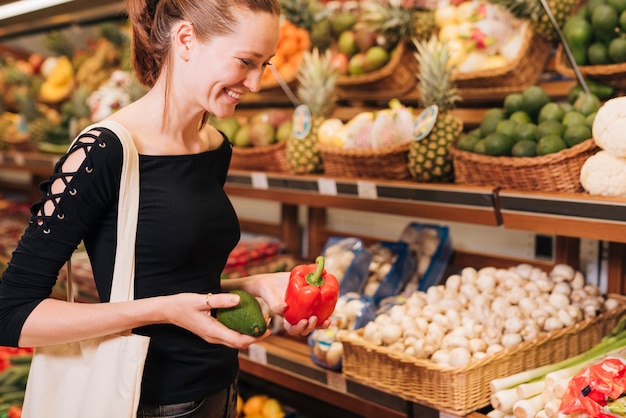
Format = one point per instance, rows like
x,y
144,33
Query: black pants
x,y
218,405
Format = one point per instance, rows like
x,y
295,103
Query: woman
x,y
197,57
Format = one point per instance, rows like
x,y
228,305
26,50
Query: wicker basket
x,y
271,158
460,391
395,79
611,74
389,163
522,72
558,172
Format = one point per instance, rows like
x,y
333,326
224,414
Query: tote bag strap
x,y
122,288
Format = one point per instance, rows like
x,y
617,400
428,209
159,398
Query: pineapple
x,y
396,22
317,78
311,15
429,159
533,11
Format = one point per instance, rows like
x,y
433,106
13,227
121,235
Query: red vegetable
x,y
311,291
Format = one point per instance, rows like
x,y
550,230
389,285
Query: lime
x,y
520,117
498,144
590,118
617,50
479,148
490,120
579,52
513,102
622,21
598,54
573,118
507,127
604,18
578,31
591,7
534,98
550,111
587,103
526,131
576,134
467,142
550,144
524,148
566,107
618,5
549,127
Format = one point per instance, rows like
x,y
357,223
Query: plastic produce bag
x,y
348,260
594,387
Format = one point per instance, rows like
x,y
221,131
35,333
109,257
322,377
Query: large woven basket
x,y
395,79
387,163
557,172
462,390
271,158
611,74
521,72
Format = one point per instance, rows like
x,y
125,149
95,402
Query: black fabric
x,y
186,229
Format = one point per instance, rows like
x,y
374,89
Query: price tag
x,y
367,190
336,381
257,353
259,181
327,186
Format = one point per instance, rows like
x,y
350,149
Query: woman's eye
x,y
247,63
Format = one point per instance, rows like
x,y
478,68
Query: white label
x,y
367,190
259,181
257,353
336,381
327,186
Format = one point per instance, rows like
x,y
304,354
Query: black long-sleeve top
x,y
186,228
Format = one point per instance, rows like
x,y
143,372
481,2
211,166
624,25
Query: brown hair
x,y
152,22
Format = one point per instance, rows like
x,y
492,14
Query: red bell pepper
x,y
311,291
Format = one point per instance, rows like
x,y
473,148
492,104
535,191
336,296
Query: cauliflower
x,y
603,174
609,127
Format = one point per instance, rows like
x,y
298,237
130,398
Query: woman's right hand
x,y
192,311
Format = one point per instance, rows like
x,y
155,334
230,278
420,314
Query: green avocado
x,y
245,318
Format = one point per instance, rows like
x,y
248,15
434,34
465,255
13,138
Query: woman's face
x,y
222,70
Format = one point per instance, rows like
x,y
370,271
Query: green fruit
x,y
598,54
618,5
524,148
617,50
534,98
566,107
604,19
513,102
622,21
573,118
376,57
549,127
246,318
587,103
498,144
467,142
550,111
342,21
590,118
346,44
526,131
507,127
576,134
520,117
578,31
591,7
550,144
479,148
490,121
242,137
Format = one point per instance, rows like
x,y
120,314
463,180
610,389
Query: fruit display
x,y
533,12
260,406
481,35
292,42
596,33
429,159
531,124
14,368
316,91
603,173
264,128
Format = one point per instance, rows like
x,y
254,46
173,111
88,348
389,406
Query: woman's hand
x,y
192,311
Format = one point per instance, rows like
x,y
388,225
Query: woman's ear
x,y
183,37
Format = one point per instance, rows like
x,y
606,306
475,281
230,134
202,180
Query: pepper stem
x,y
315,278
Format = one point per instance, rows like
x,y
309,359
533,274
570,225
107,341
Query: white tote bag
x,y
99,377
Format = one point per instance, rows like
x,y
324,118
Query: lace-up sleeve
x,y
80,194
